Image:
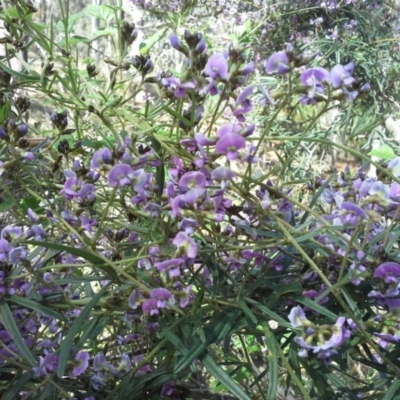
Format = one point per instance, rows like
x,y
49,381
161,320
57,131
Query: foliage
x,y
144,255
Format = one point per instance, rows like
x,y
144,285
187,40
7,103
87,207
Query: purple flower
x,y
297,317
172,266
100,364
247,69
150,307
356,269
380,190
244,95
135,299
177,86
17,254
71,187
326,356
389,271
229,128
120,174
126,364
186,296
32,215
81,364
217,67
185,244
192,180
341,75
174,40
47,365
11,233
339,335
278,62
229,144
313,78
188,225
87,192
163,297
101,157
394,165
223,174
354,212
5,249
142,370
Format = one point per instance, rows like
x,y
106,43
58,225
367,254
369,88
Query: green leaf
x,y
14,390
12,328
4,110
72,19
145,47
76,327
247,311
220,326
102,12
385,152
75,39
33,305
88,256
224,378
316,307
273,315
7,203
272,347
392,391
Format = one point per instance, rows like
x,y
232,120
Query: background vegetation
x,y
174,219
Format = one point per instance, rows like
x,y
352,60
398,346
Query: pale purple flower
x,y
32,215
87,192
297,317
170,266
185,245
217,67
389,271
126,364
229,128
222,174
341,75
188,225
278,62
244,95
17,254
229,144
203,140
186,297
339,335
326,356
81,364
101,157
135,299
150,307
47,365
247,69
192,180
175,84
100,364
163,297
380,189
120,174
313,78
11,233
394,165
142,370
5,249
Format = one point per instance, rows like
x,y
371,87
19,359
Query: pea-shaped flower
x,y
120,174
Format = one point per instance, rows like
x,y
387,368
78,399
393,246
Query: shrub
x,y
143,255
